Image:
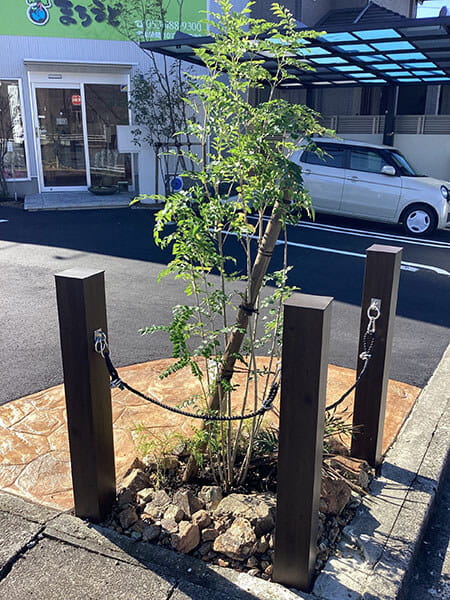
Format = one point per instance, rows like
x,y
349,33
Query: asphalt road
x,y
328,259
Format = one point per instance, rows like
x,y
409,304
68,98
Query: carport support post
x,y
306,334
381,279
82,310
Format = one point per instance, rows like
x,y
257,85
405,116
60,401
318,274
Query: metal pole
x,y
381,279
389,119
306,334
82,309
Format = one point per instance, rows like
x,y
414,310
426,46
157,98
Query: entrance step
x,y
74,201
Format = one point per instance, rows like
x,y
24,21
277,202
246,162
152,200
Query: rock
x,y
252,562
173,512
187,538
238,542
253,572
169,463
136,480
201,518
128,517
262,546
355,469
268,570
181,449
138,527
136,464
188,502
152,512
211,496
160,498
145,495
223,563
209,557
335,446
151,533
209,534
150,463
258,509
169,525
205,548
125,497
334,496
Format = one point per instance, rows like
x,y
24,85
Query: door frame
x,y
39,166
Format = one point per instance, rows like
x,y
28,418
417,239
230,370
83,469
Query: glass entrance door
x,y
61,139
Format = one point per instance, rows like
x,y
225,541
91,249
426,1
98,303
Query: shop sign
x,y
76,100
96,19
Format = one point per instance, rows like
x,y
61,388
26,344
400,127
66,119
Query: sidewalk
x,y
45,552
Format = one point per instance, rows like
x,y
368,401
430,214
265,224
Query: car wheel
x,y
419,219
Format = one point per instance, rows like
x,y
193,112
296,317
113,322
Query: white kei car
x,y
366,181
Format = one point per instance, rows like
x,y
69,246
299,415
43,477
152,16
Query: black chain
x,y
365,356
102,348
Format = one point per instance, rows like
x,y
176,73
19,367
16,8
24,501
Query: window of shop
x,y
106,107
12,138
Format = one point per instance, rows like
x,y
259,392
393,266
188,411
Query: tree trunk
x,y
258,272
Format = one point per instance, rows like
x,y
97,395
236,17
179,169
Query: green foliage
x,y
156,447
245,190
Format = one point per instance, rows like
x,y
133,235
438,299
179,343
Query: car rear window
x,y
332,155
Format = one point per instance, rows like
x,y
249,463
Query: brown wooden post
x,y
381,279
82,309
306,334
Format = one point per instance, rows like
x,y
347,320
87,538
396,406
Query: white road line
x,y
382,236
406,266
409,265
371,234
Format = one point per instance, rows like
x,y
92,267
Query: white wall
x,y
430,154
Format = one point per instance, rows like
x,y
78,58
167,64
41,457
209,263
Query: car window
x,y
362,159
333,156
403,165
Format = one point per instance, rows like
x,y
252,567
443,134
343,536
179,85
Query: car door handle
x,y
307,171
354,178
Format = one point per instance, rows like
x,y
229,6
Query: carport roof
x,y
408,51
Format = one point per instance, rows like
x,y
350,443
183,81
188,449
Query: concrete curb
x,y
381,541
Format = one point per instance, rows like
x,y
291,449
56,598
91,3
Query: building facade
x,y
65,74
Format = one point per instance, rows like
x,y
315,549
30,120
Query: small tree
x,y
157,95
247,191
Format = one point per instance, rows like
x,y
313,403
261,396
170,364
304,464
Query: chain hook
x,y
373,313
100,342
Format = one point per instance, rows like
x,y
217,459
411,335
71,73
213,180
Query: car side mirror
x,y
388,170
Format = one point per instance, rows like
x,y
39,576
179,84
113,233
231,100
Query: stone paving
x,y
34,449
